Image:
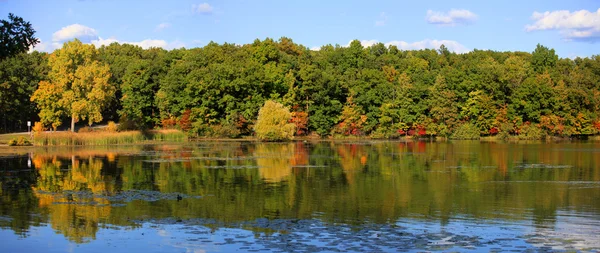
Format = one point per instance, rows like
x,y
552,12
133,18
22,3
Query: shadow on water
x,y
320,196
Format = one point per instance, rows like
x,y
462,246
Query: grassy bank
x,y
106,138
5,138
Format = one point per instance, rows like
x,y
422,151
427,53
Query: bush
x,y
185,124
504,131
531,132
273,123
112,127
21,141
385,133
225,131
85,129
465,131
38,127
125,124
168,123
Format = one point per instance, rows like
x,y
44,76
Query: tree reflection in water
x,y
354,183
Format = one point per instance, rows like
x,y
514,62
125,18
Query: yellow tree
x,y
273,123
78,86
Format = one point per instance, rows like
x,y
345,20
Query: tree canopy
x,y
273,123
77,87
378,91
16,36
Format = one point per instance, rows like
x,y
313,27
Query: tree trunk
x,y
73,123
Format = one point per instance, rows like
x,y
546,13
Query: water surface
x,y
357,196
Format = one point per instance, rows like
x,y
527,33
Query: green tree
x,y
443,107
78,86
481,110
16,36
118,57
273,123
533,98
19,78
139,88
543,58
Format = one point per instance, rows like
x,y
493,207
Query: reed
x,y
106,138
168,135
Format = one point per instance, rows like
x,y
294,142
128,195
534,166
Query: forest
x,y
378,91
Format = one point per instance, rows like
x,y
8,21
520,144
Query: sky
x,y
571,27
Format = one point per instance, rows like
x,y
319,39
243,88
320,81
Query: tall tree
x,y
19,78
16,36
78,86
543,58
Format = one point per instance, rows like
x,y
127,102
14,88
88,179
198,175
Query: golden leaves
x,y
79,85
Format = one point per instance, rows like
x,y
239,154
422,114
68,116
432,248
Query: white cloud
x,y
73,31
577,25
452,45
364,43
145,44
315,48
41,46
382,19
162,26
44,46
203,8
451,18
90,36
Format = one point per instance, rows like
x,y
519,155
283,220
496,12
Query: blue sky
x,y
571,27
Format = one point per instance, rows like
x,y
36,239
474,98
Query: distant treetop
x,y
16,36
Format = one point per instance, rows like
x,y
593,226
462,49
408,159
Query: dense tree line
x,y
379,91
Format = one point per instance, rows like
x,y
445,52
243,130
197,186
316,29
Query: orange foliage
x,y
185,123
352,120
168,122
552,123
300,119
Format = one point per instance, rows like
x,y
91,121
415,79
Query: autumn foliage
x,y
351,121
185,123
300,119
273,123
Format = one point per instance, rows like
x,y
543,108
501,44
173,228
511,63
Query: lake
x,y
314,196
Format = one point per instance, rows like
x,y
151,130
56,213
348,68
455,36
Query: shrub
x,y
504,131
352,121
465,131
531,132
21,141
112,127
185,123
273,123
382,133
300,119
225,130
85,129
168,123
125,124
38,127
